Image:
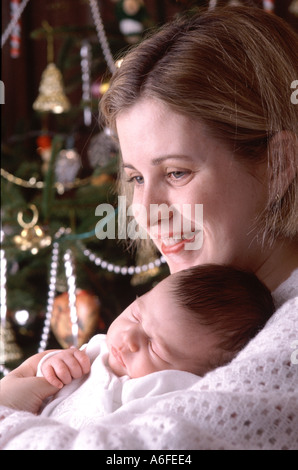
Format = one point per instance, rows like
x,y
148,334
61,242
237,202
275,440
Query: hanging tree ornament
x,y
88,308
102,148
67,165
44,149
293,8
16,16
32,236
131,15
268,5
51,96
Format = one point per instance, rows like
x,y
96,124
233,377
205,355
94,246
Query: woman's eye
x,y
136,179
177,175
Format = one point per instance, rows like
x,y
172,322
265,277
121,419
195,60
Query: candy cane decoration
x,y
15,38
13,22
268,5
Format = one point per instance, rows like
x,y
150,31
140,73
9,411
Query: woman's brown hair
x,y
232,69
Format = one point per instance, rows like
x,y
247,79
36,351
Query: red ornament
x,y
89,319
44,142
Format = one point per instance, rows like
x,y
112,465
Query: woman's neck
x,y
280,262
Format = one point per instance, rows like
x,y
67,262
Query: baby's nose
x,y
131,340
133,346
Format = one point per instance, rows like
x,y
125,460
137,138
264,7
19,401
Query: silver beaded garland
x,y
124,270
52,289
3,306
71,282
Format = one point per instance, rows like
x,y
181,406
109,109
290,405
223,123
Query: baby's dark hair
x,y
233,302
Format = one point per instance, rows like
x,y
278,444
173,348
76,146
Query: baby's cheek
x,y
147,367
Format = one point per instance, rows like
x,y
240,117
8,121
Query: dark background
x,y
21,76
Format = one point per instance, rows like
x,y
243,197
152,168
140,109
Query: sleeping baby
x,y
208,312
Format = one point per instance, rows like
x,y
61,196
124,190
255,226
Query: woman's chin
x,y
183,260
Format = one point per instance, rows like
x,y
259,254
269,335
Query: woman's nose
x,y
151,207
153,194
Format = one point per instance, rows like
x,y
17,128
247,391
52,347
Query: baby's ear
x,y
283,153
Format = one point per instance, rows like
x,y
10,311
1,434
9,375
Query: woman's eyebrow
x,y
157,161
127,165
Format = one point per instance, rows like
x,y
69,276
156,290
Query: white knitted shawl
x,y
252,403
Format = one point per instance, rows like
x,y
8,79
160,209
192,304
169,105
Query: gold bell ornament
x,y
51,96
32,236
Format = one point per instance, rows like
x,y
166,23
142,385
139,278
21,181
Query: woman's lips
x,y
174,245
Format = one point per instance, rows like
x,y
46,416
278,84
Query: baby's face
x,y
153,334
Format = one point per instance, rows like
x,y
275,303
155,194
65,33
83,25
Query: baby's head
x,y
194,320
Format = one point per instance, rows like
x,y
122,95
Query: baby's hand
x,y
61,368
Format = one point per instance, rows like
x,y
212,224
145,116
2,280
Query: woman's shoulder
x,y
287,290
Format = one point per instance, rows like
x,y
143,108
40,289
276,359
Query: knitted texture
x,y
252,403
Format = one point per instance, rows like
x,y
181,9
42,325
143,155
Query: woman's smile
x,y
175,245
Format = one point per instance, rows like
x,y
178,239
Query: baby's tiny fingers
x,y
83,360
51,377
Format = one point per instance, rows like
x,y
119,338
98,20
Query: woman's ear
x,y
283,154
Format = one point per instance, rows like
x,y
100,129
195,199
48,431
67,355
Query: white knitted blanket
x,y
252,403
101,392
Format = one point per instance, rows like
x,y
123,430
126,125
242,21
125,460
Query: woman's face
x,y
170,159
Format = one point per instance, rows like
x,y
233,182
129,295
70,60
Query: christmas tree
x,y
62,280
50,193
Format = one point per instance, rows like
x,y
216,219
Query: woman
x,y
203,114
